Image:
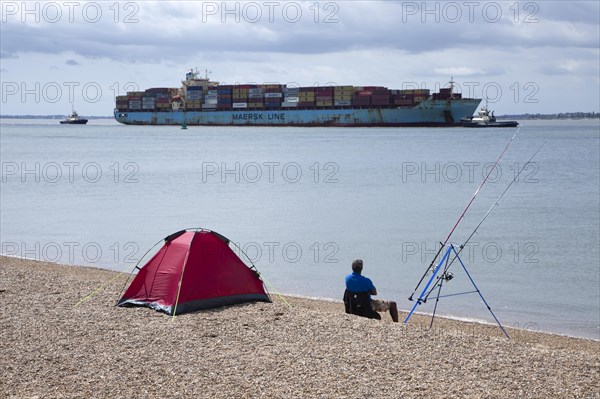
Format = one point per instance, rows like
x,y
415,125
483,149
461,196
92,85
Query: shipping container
x,y
324,98
239,105
276,87
381,92
324,90
380,97
159,90
361,100
342,103
347,97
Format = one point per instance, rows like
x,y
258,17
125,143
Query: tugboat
x,y
486,118
74,119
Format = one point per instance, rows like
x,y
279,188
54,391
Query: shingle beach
x,y
51,348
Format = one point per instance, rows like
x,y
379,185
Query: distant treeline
x,y
562,115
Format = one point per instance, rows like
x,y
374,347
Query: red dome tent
x,y
194,270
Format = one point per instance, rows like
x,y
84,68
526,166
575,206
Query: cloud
x,y
182,30
350,42
7,54
460,71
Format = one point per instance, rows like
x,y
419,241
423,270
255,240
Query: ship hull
x,y
77,122
490,124
426,113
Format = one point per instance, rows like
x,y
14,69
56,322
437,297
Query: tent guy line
x,y
262,277
103,287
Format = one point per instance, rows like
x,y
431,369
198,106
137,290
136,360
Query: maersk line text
x,y
259,117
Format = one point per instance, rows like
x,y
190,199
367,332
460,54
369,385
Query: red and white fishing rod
x,y
443,244
464,244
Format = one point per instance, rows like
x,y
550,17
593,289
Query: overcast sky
x,y
525,56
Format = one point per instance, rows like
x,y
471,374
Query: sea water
x,y
302,203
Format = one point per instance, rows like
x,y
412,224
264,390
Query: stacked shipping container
x,y
342,96
194,97
290,97
224,96
200,95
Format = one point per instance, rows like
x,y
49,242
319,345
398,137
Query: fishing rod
x,y
443,244
448,276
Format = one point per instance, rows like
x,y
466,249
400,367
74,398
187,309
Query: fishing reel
x,y
447,276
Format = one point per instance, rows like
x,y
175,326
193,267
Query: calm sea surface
x,y
304,202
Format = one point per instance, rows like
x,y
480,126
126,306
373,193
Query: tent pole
x,y
187,254
260,275
136,267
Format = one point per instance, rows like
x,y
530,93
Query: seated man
x,y
361,288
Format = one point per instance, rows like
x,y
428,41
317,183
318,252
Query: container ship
x,y
200,101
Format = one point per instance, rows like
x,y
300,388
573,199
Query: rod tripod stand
x,y
436,281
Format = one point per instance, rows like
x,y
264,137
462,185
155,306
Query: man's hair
x,y
357,265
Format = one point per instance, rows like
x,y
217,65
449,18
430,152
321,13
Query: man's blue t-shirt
x,y
358,283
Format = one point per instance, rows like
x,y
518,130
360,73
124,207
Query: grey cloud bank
x,y
375,42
